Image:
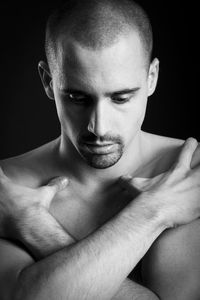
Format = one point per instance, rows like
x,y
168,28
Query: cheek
x,y
136,115
133,121
141,114
69,120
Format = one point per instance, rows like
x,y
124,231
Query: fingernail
x,y
64,181
126,177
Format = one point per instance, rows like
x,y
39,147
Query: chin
x,y
102,161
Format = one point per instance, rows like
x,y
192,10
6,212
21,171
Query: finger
x,y
125,178
3,178
133,184
54,186
2,174
196,157
187,151
140,183
58,184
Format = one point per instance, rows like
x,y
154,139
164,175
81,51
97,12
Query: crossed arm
x,y
94,267
97,266
47,238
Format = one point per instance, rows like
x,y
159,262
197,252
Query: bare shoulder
x,y
30,168
166,150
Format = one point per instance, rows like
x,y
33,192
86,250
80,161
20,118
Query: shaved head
x,y
97,24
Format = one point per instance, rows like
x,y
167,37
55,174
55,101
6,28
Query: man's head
x,y
97,24
100,75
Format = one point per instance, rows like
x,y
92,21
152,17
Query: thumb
x,y
54,186
58,183
133,184
140,183
186,153
2,174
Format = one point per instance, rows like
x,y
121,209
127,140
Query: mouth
x,y
99,148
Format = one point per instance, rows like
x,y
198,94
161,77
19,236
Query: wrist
x,y
148,208
160,209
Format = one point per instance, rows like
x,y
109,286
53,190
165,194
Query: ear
x,y
46,78
153,76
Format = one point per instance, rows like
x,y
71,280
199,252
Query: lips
x,y
101,149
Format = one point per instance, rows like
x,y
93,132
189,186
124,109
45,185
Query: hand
x,y
17,202
176,193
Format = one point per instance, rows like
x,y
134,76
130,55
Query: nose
x,y
99,119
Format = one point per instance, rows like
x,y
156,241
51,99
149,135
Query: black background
x,y
28,118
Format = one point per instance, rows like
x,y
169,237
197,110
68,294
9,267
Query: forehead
x,y
123,61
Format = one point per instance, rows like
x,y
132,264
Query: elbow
x,y
17,287
35,283
27,285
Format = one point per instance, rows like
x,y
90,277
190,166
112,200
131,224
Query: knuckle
x,y
191,142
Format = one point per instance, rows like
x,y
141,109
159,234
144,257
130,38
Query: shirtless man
x,y
100,75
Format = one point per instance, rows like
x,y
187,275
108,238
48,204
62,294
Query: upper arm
x,y
171,267
12,260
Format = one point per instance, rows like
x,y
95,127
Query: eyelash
x,y
73,99
85,100
123,100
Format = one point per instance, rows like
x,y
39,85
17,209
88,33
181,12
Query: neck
x,y
132,159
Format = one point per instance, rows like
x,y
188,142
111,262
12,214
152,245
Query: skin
x,y
98,74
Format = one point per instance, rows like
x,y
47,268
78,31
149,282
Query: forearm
x,y
42,234
96,266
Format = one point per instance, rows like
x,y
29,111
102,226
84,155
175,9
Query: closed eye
x,y
78,98
82,98
121,99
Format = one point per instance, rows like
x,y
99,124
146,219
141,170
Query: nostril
x,y
97,124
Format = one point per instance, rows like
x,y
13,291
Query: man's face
x,y
101,97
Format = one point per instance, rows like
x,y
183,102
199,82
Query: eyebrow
x,y
122,92
108,94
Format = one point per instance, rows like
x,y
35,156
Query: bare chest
x,y
80,214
